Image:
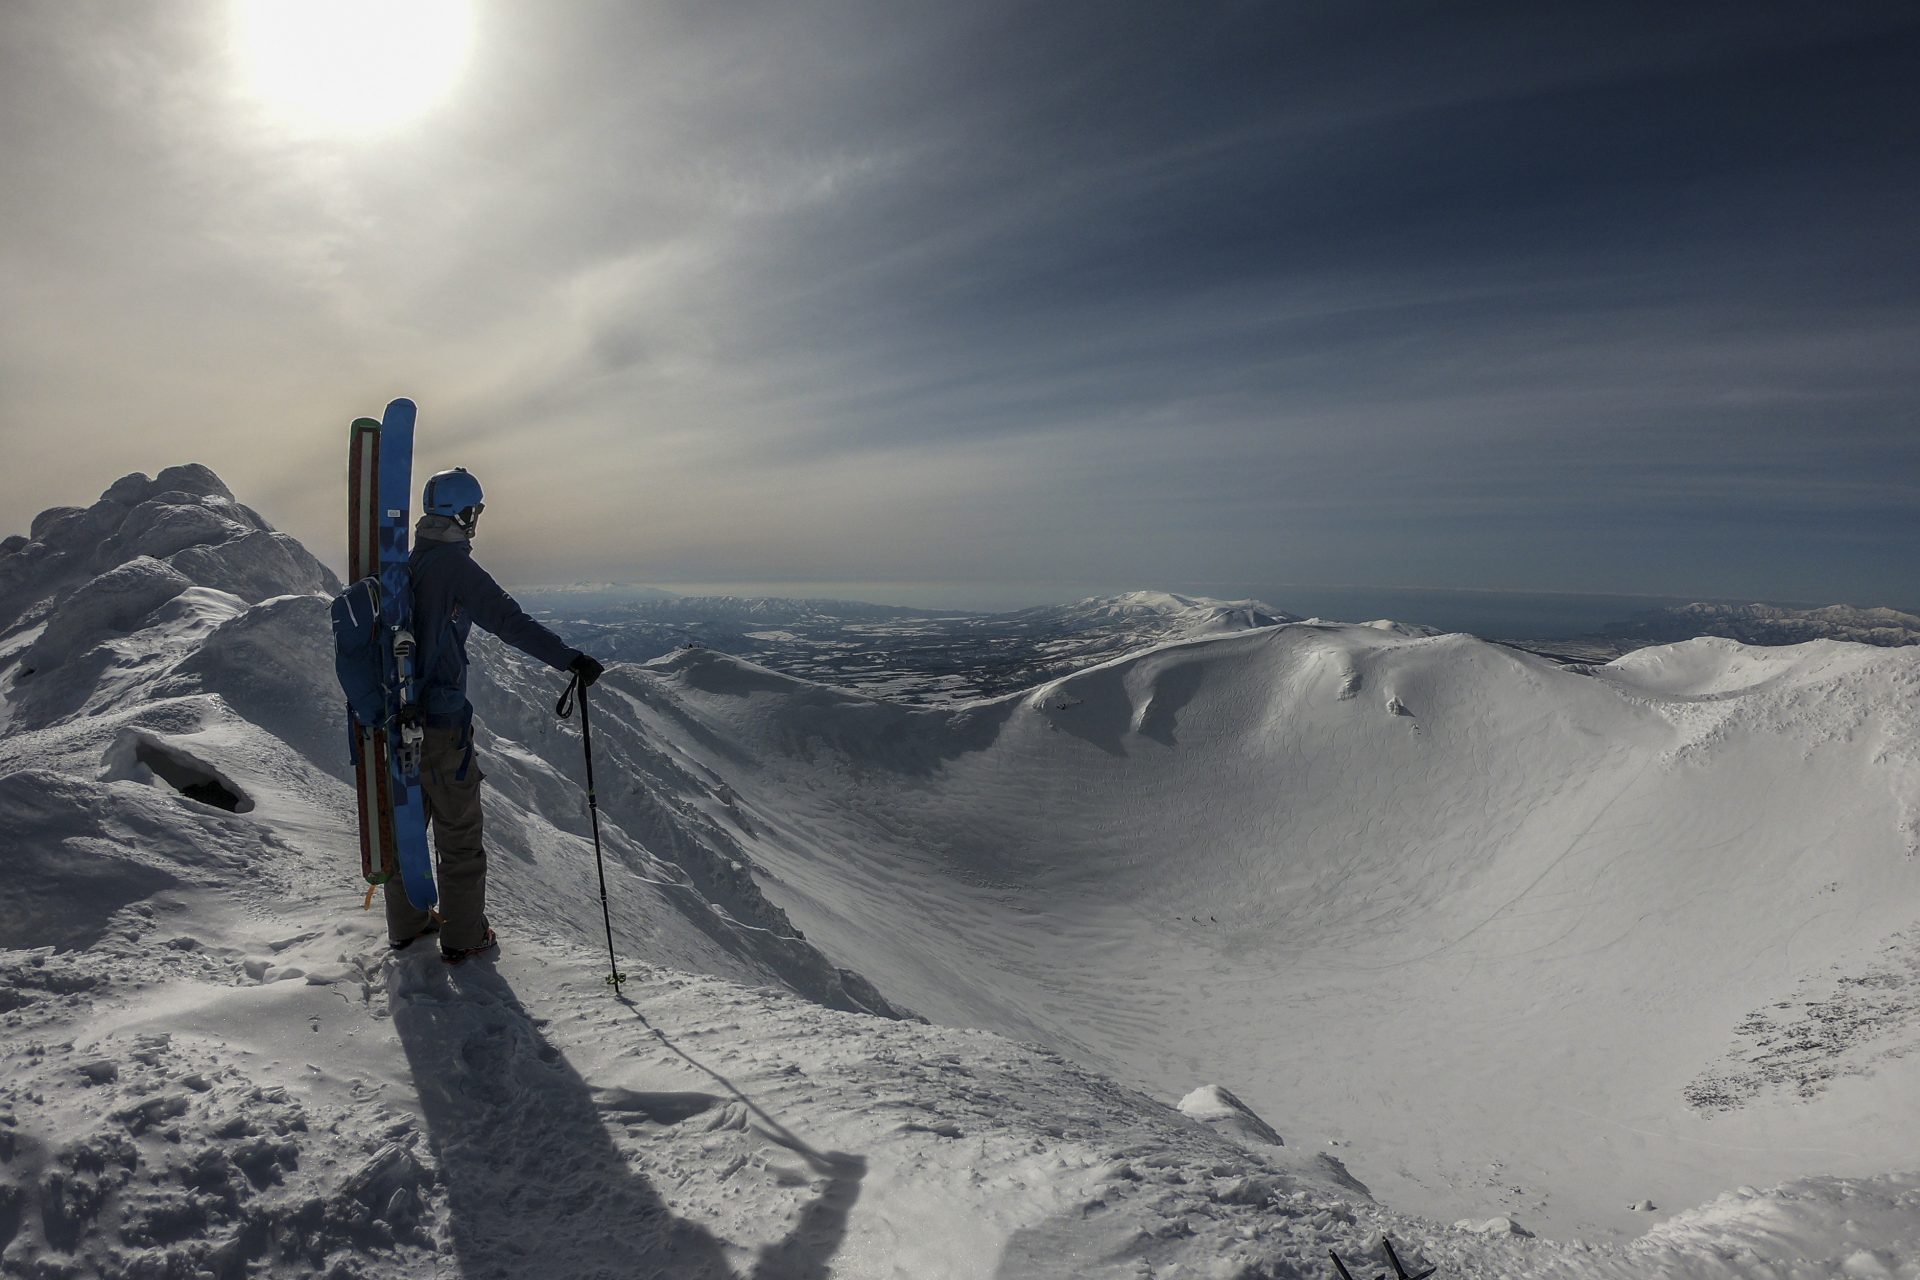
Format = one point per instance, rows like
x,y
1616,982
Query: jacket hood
x,y
438,529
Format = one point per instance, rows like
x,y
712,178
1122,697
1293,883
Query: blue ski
x,y
396,602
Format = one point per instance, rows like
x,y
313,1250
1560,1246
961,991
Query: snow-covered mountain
x,y
1388,915
1767,624
1158,614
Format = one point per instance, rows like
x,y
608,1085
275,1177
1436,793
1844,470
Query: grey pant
x,y
460,860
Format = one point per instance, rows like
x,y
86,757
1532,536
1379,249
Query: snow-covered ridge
x,y
81,570
1402,863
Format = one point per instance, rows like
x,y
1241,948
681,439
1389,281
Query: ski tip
x,y
398,419
365,424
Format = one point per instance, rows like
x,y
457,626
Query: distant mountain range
x,y
911,655
931,656
1153,611
604,605
588,595
1769,624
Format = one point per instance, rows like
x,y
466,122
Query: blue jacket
x,y
450,594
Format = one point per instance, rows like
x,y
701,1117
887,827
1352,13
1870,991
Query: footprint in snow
x,y
661,1108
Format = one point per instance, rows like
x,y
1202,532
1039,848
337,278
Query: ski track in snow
x,y
1409,921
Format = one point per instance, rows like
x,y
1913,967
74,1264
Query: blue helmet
x,y
454,494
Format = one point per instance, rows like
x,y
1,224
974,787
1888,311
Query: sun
x,y
351,66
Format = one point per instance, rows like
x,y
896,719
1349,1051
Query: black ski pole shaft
x,y
614,976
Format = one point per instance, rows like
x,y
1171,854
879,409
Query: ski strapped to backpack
x,y
359,660
374,657
408,801
374,662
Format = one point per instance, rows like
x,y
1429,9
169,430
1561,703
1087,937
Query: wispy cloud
x,y
1521,296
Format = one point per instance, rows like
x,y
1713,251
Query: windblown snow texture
x,y
1472,956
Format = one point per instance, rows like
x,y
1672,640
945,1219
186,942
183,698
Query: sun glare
x,y
352,66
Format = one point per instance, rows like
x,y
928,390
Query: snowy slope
x,y
210,1065
1500,929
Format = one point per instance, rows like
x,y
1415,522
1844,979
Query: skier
x,y
450,594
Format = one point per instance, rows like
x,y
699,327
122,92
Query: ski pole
x,y
564,709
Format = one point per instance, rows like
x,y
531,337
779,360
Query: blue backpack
x,y
360,657
363,657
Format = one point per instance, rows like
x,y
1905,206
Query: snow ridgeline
x,y
212,1065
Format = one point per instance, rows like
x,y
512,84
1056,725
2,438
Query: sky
x,y
1519,297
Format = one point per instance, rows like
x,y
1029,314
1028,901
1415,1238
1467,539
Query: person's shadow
x,y
535,1185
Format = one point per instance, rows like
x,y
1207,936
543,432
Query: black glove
x,y
587,669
